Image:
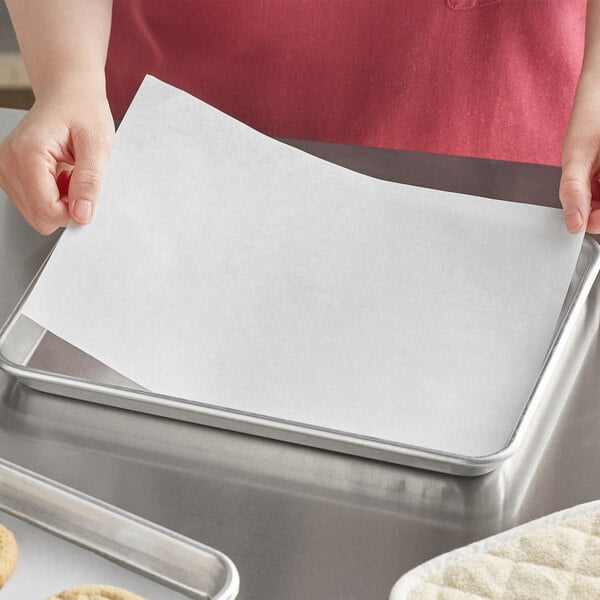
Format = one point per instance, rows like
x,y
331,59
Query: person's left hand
x,y
580,182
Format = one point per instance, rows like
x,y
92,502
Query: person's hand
x,y
579,185
67,129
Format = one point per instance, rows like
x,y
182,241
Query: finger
x,y
39,200
62,183
575,195
91,151
593,225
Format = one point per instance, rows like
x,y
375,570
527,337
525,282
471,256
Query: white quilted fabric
x,y
554,558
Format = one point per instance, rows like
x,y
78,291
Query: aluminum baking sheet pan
x,y
47,363
67,539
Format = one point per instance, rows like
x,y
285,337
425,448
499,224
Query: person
x,y
487,78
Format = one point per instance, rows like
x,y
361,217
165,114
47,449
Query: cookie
x,y
8,554
95,592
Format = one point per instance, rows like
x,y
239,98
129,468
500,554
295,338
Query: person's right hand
x,y
64,130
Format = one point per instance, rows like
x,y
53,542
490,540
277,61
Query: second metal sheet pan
x,y
67,539
48,565
44,362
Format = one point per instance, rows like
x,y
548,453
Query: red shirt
x,y
487,78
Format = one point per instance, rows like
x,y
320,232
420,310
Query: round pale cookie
x,y
95,592
8,554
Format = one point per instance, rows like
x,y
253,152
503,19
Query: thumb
x,y
575,194
91,153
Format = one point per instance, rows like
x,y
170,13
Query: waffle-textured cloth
x,y
553,558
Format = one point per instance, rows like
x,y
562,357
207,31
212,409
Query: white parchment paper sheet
x,y
231,269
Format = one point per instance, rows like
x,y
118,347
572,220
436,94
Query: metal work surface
x,y
300,522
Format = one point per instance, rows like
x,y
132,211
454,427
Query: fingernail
x,y
82,210
574,220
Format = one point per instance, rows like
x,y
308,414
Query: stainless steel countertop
x,y
301,523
